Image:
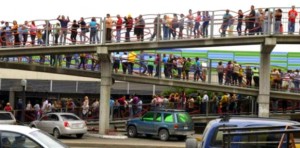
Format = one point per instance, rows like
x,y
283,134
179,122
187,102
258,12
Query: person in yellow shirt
x,y
131,60
108,23
224,102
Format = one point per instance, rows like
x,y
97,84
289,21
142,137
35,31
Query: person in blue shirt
x,y
226,20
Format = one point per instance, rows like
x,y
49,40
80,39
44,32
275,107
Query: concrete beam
x,y
208,42
287,39
44,50
178,83
268,45
47,69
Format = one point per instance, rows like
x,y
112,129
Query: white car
x,y
16,136
7,118
61,124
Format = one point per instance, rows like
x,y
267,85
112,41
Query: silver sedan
x,y
61,124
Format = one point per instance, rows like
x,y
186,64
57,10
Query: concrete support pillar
x,y
264,77
12,97
106,82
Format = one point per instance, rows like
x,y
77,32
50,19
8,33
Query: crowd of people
x,y
164,27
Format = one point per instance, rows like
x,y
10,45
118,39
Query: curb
x,y
107,136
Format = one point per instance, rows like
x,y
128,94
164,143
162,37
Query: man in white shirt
x,y
205,99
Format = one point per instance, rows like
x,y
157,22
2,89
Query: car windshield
x,y
5,116
47,139
183,118
69,118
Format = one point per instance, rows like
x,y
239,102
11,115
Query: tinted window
x,y
148,116
16,140
169,118
5,116
183,118
218,136
54,118
260,140
158,117
69,117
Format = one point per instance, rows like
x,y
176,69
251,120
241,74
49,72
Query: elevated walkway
x,y
150,80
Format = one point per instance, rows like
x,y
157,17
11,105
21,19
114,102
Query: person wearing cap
x,y
8,108
292,19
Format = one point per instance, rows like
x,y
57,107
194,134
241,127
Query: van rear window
x,y
183,118
5,116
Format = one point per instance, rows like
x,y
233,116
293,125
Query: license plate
x,y
78,125
185,127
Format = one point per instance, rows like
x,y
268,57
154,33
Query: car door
x,y
53,122
146,124
157,123
43,123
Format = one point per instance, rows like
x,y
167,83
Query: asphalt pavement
x,y
92,140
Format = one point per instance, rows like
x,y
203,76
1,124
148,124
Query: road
x,y
144,142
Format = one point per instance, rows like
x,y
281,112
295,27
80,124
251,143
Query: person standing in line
x,y
140,28
119,28
64,28
181,26
82,61
251,20
14,30
220,70
259,21
197,25
85,108
165,62
37,111
187,68
256,76
278,16
25,28
116,60
8,108
128,25
190,24
156,33
74,32
131,60
32,32
142,63
292,14
226,20
240,22
47,32
165,27
197,73
174,26
108,25
54,58
93,28
206,18
150,65
84,30
249,74
157,63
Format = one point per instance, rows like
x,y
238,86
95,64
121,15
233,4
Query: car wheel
x,y
191,143
131,131
79,136
56,133
181,138
163,135
32,126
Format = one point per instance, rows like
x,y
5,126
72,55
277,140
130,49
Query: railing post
x,y
212,25
269,22
209,71
274,22
104,31
47,33
100,31
158,32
